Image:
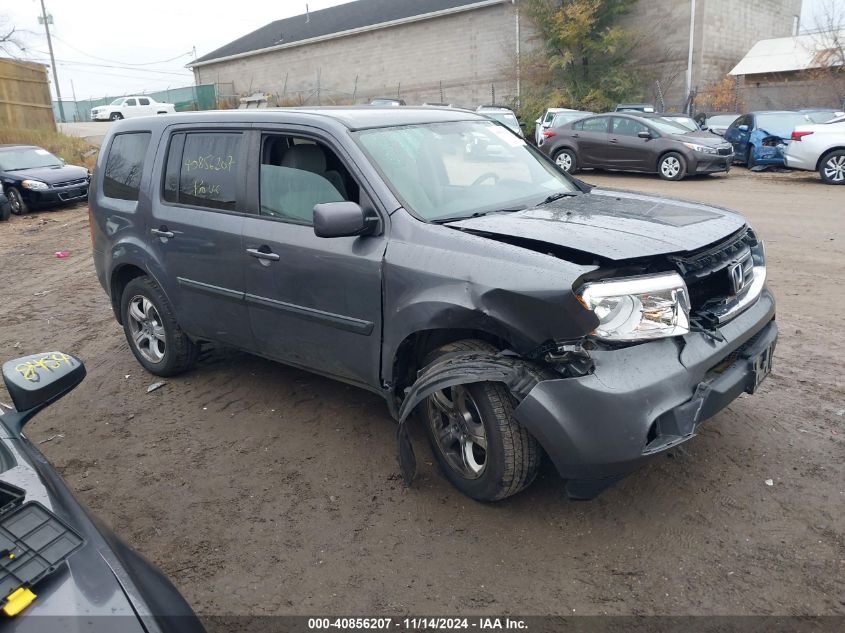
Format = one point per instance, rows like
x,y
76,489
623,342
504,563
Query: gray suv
x,y
514,310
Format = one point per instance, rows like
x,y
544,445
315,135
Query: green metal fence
x,y
187,98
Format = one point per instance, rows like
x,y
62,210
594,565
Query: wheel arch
x,y
825,153
671,150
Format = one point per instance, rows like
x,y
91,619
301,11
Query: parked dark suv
x,y
517,311
652,143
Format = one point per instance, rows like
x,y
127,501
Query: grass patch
x,y
74,150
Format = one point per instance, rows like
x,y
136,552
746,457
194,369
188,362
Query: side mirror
x,y
704,128
742,128
645,135
36,381
342,219
63,161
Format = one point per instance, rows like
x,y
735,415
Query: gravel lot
x,y
261,489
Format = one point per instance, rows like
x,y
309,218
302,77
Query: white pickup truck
x,y
128,107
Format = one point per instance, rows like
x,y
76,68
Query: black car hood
x,y
50,175
615,225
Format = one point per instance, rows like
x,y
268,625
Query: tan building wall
x,y
469,53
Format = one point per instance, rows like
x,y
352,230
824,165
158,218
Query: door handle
x,y
614,140
273,257
162,232
576,136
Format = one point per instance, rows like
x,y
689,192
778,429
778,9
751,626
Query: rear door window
x,y
597,124
144,101
124,165
202,169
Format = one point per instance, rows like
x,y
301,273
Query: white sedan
x,y
129,107
819,147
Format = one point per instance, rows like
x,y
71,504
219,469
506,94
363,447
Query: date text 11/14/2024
x,y
419,624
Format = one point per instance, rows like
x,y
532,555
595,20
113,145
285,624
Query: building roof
x,y
785,54
337,21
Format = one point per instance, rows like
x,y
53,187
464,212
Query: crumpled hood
x,y
615,225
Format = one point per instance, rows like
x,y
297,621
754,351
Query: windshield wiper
x,y
558,196
477,214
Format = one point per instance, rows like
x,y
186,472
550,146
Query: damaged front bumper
x,y
644,399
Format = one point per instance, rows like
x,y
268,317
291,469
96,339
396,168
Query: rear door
x,y
145,107
313,302
591,139
195,229
132,109
625,149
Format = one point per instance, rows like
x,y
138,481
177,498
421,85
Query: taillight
x,y
549,133
797,136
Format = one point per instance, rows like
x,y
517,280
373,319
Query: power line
x,y
113,61
65,62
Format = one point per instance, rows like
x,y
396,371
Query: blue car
x,y
760,138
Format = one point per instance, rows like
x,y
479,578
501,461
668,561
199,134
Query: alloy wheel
x,y
147,331
15,202
564,161
670,167
458,430
834,168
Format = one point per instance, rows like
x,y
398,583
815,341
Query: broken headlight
x,y
638,308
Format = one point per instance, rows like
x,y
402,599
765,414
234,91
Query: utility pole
x,y
691,48
52,61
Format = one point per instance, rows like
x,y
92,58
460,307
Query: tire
x,y
512,457
115,116
832,167
16,201
153,334
565,159
750,161
672,166
5,212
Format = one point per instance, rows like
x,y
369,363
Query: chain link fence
x,y
186,99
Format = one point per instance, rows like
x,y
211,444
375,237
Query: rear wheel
x,y
483,451
5,212
565,159
16,201
672,166
152,331
832,168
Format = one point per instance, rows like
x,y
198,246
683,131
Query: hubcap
x,y
146,329
564,161
834,168
670,167
458,430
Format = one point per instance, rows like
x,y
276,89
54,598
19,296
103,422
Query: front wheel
x,y
483,451
672,166
151,329
16,201
115,116
565,159
832,168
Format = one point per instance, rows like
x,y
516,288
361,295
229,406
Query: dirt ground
x,y
261,489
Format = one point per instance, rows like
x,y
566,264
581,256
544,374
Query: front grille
x,y
708,274
70,183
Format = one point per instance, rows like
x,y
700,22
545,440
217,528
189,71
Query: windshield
x,y
565,117
117,101
683,121
504,117
821,117
668,126
27,158
722,120
444,171
781,121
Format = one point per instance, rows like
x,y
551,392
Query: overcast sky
x,y
108,49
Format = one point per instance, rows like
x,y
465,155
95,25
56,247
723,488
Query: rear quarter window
x,y
124,165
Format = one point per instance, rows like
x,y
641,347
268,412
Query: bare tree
x,y
827,45
12,39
